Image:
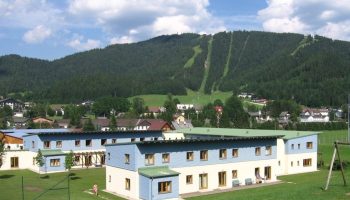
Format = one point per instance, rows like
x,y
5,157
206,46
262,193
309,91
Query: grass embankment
x,y
34,185
192,97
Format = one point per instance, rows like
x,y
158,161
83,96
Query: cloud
x,y
121,40
126,20
322,17
80,45
29,13
37,35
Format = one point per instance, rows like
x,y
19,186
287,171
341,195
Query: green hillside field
x,y
196,98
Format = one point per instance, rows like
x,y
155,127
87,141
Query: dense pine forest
x,y
312,70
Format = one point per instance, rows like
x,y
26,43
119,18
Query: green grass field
x,y
192,97
299,187
34,185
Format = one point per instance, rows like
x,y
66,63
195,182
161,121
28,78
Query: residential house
x,y
63,123
15,105
19,122
246,95
87,147
43,122
58,109
183,107
11,142
180,122
154,110
284,117
204,160
143,124
314,115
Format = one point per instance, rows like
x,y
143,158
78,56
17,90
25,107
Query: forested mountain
x,y
311,69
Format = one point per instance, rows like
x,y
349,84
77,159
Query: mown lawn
x,y
34,185
192,97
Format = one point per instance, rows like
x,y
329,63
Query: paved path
x,y
194,194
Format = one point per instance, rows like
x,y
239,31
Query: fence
x,y
36,188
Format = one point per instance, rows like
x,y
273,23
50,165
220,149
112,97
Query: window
x,y
77,159
103,141
165,157
204,155
309,145
189,156
257,151
88,143
291,163
149,159
222,153
33,144
132,140
298,163
164,187
127,184
34,160
77,143
108,156
142,139
127,158
268,150
298,146
46,144
58,144
292,146
234,173
222,179
203,181
307,162
54,162
114,141
189,179
109,178
234,153
279,163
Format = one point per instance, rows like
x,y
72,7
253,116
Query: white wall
x,y
117,184
300,168
25,159
245,170
281,158
173,136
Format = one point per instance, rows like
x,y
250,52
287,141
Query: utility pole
x,y
348,118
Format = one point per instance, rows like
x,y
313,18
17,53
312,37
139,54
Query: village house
x,y
314,115
181,122
12,103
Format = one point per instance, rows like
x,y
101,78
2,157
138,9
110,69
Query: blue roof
x,y
21,132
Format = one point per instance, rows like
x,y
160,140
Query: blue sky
x,y
51,29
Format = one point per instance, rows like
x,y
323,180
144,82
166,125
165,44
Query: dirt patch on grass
x,y
347,194
33,189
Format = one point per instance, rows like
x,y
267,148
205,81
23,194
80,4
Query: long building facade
x,y
87,147
201,160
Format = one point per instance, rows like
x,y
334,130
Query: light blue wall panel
x,y
177,151
48,168
174,188
302,141
145,187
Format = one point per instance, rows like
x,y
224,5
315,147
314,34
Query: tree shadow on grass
x,y
6,176
45,177
75,178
